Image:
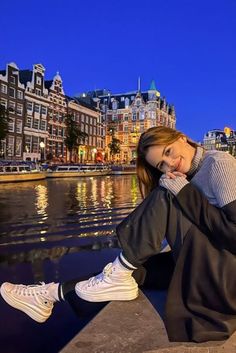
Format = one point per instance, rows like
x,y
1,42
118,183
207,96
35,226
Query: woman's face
x,y
177,156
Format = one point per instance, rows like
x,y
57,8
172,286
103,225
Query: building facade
x,y
12,93
36,113
127,115
88,117
221,140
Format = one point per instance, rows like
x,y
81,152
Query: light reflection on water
x,y
63,210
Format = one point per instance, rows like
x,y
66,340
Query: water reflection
x,y
52,216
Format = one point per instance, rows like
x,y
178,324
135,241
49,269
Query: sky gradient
x,y
187,47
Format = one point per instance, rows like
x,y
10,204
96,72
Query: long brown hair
x,y
148,176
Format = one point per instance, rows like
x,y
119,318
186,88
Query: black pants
x,y
140,235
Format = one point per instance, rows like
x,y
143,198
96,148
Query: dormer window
x,y
126,102
38,80
114,105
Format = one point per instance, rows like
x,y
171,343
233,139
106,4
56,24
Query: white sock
x,y
120,263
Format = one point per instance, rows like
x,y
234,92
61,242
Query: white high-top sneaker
x,y
35,300
114,283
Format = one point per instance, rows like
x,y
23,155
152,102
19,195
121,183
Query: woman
x,y
190,198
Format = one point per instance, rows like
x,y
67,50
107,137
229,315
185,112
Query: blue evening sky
x,y
186,46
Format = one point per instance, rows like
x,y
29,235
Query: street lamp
x,y
42,146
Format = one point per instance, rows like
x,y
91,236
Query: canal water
x,y
56,230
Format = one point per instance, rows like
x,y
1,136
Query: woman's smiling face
x,y
177,156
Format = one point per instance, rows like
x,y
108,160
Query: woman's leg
x,y
140,235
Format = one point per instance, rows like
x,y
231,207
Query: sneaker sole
x,y
26,309
105,297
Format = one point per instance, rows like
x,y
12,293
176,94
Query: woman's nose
x,y
169,163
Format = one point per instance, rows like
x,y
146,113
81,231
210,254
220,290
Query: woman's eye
x,y
167,152
160,165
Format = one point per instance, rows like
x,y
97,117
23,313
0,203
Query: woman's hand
x,y
173,175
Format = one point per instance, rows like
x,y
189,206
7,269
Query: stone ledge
x,y
135,327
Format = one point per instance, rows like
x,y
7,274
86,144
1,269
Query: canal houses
x,y
36,110
55,147
87,115
37,118
12,98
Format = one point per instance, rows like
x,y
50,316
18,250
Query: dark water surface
x,y
55,230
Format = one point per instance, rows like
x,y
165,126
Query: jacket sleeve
x,y
219,224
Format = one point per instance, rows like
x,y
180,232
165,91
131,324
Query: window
x,y
12,106
19,94
3,102
141,115
38,80
28,122
19,126
29,106
126,102
10,146
35,144
38,91
114,105
18,146
82,117
43,125
126,117
27,143
87,119
37,108
134,116
36,124
90,130
43,110
12,79
11,125
12,92
19,109
3,88
91,121
126,128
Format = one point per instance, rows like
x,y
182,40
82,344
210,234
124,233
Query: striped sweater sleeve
x,y
222,177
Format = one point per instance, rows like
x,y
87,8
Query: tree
x,y
114,145
3,125
74,136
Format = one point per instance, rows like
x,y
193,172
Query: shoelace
x,y
108,269
32,290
